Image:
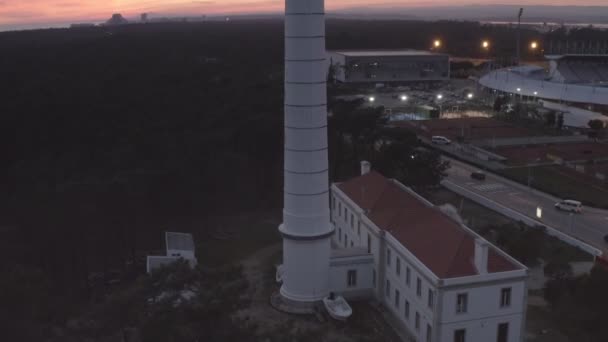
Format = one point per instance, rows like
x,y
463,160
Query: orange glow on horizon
x,y
57,11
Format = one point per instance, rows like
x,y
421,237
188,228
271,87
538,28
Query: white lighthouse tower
x,y
306,227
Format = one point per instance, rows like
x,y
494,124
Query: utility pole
x,y
521,12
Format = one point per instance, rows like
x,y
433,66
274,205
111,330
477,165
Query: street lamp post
x,y
521,12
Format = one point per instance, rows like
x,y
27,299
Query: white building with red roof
x,y
441,280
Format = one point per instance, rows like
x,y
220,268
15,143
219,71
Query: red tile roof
x,y
437,241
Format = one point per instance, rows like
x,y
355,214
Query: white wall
x,y
188,255
483,314
483,311
418,304
345,232
338,275
483,330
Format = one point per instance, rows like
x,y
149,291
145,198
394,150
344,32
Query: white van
x,y
440,140
569,205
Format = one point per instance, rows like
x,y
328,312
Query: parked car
x,y
478,175
570,206
440,140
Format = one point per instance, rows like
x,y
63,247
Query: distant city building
x,y
144,17
440,280
397,66
117,19
177,246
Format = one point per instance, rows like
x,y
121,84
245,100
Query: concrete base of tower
x,y
305,266
283,304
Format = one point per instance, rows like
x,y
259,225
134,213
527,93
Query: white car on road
x,y
569,205
440,140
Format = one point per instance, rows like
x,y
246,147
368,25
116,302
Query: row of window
x,y
406,312
462,300
502,334
408,276
345,215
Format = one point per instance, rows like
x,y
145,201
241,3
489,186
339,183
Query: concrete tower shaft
x,y
306,226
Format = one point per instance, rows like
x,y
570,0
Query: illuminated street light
x,y
439,96
485,44
535,93
534,45
403,98
469,96
518,89
437,43
372,99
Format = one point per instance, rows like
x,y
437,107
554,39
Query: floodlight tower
x,y
306,227
521,12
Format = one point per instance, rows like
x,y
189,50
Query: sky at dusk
x,y
27,12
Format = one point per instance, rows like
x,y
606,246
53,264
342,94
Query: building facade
x,y
442,281
398,66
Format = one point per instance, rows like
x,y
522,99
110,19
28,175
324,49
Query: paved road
x,y
591,226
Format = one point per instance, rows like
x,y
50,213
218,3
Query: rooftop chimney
x,y
365,167
481,256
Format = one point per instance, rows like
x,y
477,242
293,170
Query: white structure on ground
x,y
177,246
306,227
438,278
576,79
389,66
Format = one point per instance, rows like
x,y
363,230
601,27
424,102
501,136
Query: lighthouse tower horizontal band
x,y
306,227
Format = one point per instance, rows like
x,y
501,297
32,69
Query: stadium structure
x,y
574,82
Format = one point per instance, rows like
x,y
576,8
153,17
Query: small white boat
x,y
279,274
337,307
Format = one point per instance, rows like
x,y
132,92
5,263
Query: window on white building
x,y
461,302
352,221
339,208
407,276
345,240
429,333
505,297
352,243
431,299
503,332
460,335
351,278
398,265
388,257
417,321
407,309
359,228
397,298
418,287
374,277
369,243
333,202
388,288
339,234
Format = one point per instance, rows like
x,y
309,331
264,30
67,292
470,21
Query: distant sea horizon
x,y
345,14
